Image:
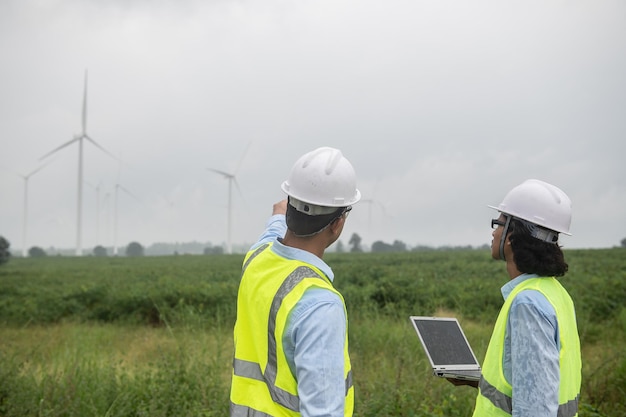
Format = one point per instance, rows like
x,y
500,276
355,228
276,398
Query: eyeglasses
x,y
346,212
496,222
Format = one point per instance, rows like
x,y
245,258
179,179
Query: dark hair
x,y
303,224
534,256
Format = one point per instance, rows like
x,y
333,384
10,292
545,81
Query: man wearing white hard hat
x,y
532,367
291,341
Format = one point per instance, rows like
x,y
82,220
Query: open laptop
x,y
447,348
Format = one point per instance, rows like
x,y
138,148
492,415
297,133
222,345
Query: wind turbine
x,y
371,202
25,215
232,178
79,138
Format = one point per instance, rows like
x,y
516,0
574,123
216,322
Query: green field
x,y
152,336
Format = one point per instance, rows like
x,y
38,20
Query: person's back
x,y
291,347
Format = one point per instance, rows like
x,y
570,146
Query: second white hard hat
x,y
324,178
540,203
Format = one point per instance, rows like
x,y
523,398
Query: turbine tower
x,y
232,178
25,214
79,138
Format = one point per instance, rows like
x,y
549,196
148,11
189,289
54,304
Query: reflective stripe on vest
x,y
505,403
252,370
252,256
237,410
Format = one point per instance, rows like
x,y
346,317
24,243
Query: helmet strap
x,y
505,231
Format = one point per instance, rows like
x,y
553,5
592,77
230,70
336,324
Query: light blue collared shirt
x,y
531,352
314,335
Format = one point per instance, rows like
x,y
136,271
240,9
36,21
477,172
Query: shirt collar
x,y
304,256
509,286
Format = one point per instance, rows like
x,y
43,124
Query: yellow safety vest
x,y
495,393
262,383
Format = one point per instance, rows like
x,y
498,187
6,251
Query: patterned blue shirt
x,y
531,352
314,335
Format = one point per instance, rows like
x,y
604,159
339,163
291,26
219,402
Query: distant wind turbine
x,y
25,215
371,202
232,178
79,138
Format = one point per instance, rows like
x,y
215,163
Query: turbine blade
x,y
38,169
85,107
128,192
94,143
34,172
242,157
60,147
239,190
382,207
225,174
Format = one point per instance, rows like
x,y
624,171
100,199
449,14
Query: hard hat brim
x,y
337,203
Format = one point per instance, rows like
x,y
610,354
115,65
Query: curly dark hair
x,y
534,256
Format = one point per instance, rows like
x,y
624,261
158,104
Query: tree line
x,y
134,249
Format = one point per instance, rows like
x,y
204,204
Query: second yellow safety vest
x,y
495,393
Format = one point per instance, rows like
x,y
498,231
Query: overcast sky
x,y
441,106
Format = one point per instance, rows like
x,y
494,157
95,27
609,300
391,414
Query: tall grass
x,y
105,370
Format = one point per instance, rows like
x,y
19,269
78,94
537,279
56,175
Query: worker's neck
x,y
512,270
313,244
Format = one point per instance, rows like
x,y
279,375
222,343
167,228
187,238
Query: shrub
x,y
5,254
214,250
134,249
36,252
100,251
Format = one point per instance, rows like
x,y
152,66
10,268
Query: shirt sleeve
x,y
534,353
275,228
316,336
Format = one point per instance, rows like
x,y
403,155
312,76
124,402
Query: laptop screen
x,y
444,341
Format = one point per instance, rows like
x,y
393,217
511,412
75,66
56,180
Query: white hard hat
x,y
539,203
324,178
